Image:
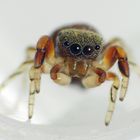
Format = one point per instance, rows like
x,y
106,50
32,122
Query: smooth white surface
x,y
71,112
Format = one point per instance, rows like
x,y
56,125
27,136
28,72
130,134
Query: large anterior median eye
x,y
75,49
88,50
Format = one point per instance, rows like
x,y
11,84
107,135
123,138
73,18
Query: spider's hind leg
x,y
21,69
135,67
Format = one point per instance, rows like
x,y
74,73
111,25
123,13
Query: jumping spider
x,y
77,51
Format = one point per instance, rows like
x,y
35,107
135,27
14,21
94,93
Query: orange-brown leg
x,y
114,52
45,50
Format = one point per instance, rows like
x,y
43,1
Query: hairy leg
x,y
30,52
21,69
35,77
114,51
135,67
113,96
44,50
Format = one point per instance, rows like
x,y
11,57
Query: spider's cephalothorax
x,y
77,51
80,44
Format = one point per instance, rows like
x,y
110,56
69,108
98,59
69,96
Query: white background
x,y
71,112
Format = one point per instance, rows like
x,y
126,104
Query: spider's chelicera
x,y
77,51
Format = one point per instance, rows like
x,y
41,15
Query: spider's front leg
x,y
95,77
45,50
114,51
113,95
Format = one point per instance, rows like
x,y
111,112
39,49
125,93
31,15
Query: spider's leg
x,y
135,67
59,76
30,52
124,69
35,77
114,51
45,50
112,97
22,68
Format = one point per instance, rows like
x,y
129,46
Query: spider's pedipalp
x,y
94,78
59,76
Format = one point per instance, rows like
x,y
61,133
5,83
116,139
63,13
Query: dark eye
x,y
88,50
75,49
97,47
66,43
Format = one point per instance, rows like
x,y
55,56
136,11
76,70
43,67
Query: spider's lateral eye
x,y
97,47
75,49
88,50
66,43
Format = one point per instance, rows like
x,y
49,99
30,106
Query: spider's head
x,y
79,43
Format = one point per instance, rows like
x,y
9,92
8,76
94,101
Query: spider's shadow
x,y
77,82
